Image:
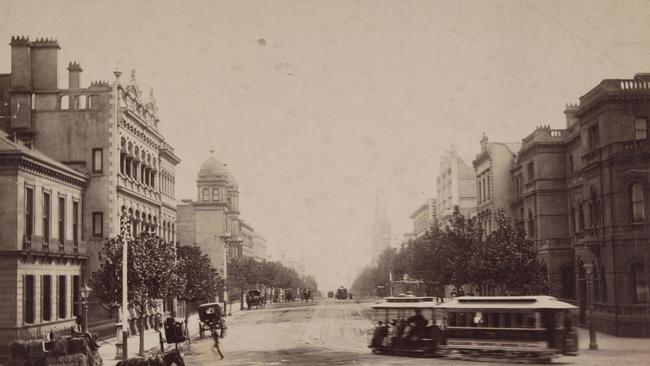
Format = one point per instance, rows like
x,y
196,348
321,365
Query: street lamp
x,y
593,344
85,295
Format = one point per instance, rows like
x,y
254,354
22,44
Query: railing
x,y
613,87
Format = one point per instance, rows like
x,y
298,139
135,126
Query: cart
x,y
210,318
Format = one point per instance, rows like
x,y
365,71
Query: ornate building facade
x,y
455,187
107,131
582,193
212,221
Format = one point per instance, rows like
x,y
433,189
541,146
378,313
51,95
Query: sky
x,y
318,107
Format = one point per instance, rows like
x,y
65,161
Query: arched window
x,y
637,202
206,194
572,220
80,102
531,225
581,216
215,194
595,209
568,283
65,102
639,284
92,101
595,290
640,129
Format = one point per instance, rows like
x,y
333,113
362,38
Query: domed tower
x,y
212,181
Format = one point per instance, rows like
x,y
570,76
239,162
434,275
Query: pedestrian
x,y
215,335
453,292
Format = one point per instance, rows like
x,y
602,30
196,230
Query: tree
x,y
507,262
203,281
151,271
243,273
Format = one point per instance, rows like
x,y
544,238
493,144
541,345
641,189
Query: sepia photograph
x,y
324,182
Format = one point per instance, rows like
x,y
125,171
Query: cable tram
x,y
524,328
536,328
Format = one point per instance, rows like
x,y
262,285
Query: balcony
x,y
38,245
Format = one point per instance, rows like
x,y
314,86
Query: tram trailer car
x,y
342,293
526,328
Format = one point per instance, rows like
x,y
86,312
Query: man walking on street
x,y
215,335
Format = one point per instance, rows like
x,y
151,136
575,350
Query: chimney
x,y
484,142
21,65
44,64
74,75
570,111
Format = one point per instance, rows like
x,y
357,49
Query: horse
x,y
169,358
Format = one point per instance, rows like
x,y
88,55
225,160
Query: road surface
x,y
334,332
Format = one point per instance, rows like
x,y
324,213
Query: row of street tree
x,y
160,270
459,253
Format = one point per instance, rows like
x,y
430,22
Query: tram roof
x,y
406,302
505,302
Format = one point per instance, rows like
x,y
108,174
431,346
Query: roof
x,y
8,146
212,168
406,302
505,302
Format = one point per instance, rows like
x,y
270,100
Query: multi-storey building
x,y
259,246
493,181
581,193
247,235
108,131
42,251
455,187
212,221
422,218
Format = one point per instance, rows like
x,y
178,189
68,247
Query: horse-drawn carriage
x,y
306,296
288,295
210,318
76,349
176,332
254,299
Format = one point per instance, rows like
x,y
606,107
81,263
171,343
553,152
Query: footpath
x,y
108,348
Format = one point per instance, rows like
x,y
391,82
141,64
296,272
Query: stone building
x,y
455,187
422,218
259,247
212,221
107,131
581,193
247,235
42,247
493,181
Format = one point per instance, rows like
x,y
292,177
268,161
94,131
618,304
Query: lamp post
x,y
85,295
125,228
593,344
225,275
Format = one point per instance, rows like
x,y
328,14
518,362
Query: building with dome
x,y
212,220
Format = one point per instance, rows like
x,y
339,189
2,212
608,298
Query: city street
x,y
332,332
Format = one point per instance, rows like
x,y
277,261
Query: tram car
x,y
523,328
342,293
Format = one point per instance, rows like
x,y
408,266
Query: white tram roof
x,y
505,302
406,302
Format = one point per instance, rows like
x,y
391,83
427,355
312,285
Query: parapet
x,y
74,66
45,43
99,84
19,41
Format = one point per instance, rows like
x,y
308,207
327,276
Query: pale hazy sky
x,y
318,105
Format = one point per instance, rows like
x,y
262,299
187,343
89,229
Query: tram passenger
x,y
381,331
391,334
417,325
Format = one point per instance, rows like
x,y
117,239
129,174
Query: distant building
x,y
41,245
212,221
455,187
247,235
422,218
492,168
259,247
381,235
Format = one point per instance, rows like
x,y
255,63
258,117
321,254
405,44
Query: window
x,y
62,297
28,311
487,187
581,217
568,283
98,224
46,216
65,102
603,285
75,222
594,139
75,296
640,129
596,285
29,213
33,102
531,225
531,171
80,102
215,194
98,160
639,284
570,164
61,220
47,298
92,101
206,194
637,202
572,220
